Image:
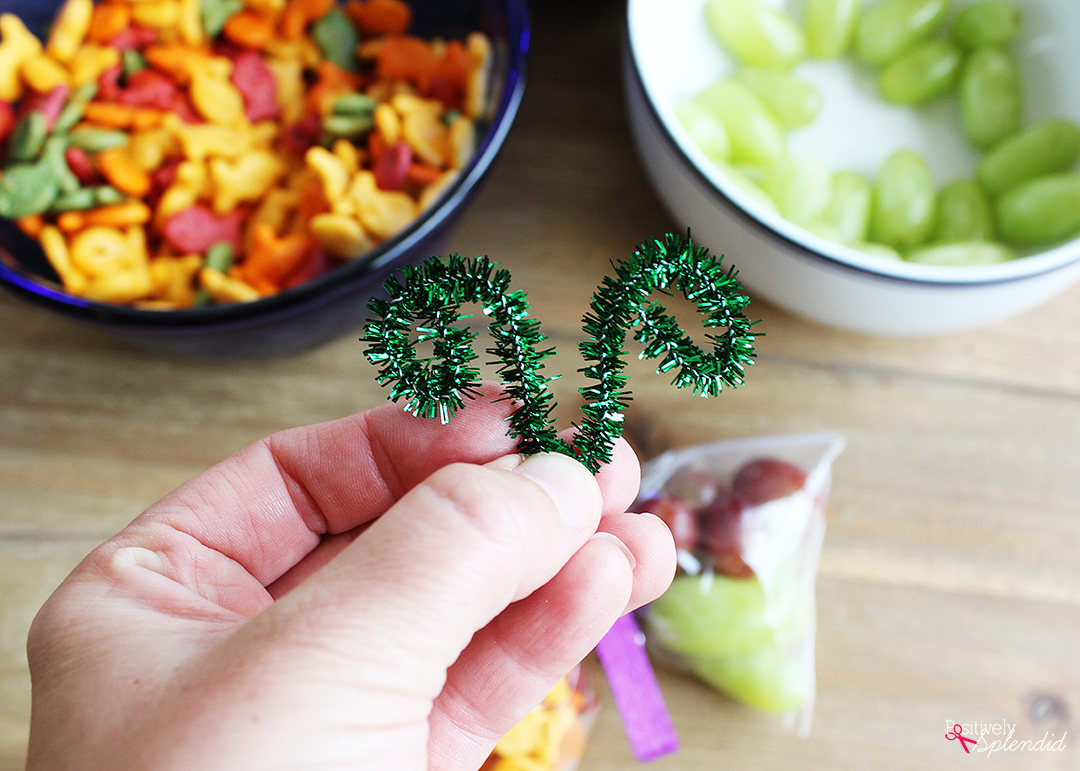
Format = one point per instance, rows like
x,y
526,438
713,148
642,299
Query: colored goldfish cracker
x,y
298,14
224,289
379,17
249,29
272,258
122,116
108,20
123,173
69,30
120,215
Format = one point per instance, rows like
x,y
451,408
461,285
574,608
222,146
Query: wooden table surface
x,y
949,585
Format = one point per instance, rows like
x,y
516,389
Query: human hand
x,y
375,592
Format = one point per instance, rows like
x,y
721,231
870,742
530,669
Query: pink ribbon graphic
x,y
956,732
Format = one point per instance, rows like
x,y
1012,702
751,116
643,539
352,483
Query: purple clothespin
x,y
635,691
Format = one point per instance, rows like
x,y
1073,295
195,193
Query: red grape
x,y
767,479
721,535
678,515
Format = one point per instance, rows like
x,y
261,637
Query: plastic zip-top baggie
x,y
748,517
553,736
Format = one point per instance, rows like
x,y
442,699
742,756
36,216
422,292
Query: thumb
x,y
404,599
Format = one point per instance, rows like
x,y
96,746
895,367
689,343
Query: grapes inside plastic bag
x,y
748,517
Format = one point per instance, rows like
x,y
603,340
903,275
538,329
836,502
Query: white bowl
x,y
671,56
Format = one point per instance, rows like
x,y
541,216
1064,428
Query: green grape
x,y
902,215
991,103
791,101
756,34
801,186
830,25
889,28
986,23
1042,210
756,137
878,250
848,209
926,72
724,615
1044,148
705,129
961,253
740,176
964,213
768,677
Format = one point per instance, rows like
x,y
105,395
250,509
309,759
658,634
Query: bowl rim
x,y
808,244
342,279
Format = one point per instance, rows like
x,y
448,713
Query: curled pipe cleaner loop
x,y
429,300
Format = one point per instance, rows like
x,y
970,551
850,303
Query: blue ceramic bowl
x,y
331,305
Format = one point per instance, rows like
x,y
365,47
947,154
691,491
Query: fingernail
x,y
571,486
602,536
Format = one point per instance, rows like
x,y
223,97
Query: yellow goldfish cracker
x,y
43,73
174,278
340,235
17,45
289,77
158,14
348,154
382,212
302,50
244,180
122,286
90,61
422,127
277,209
387,122
226,289
461,135
332,172
151,147
69,30
100,250
522,763
562,692
56,249
192,182
217,99
189,23
200,140
476,85
430,194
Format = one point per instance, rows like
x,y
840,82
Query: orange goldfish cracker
x,y
123,173
31,224
298,14
69,29
71,221
56,250
271,8
176,59
17,45
121,116
226,289
272,258
340,235
108,20
379,17
119,215
249,29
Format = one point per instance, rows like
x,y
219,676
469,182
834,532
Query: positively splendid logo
x,y
998,737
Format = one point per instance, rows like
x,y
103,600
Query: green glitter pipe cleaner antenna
x,y
428,299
